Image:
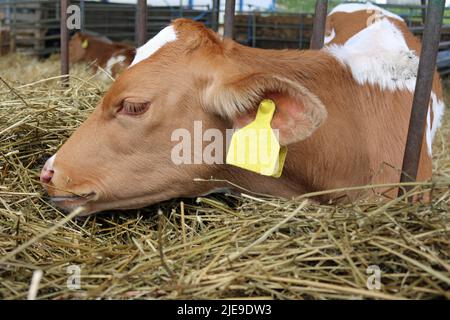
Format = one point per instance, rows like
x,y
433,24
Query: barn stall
x,y
219,246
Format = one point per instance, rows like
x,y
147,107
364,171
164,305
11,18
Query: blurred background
x,y
32,26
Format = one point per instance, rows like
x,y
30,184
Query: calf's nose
x,y
47,171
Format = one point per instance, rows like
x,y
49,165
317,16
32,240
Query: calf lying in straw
x,y
342,112
110,56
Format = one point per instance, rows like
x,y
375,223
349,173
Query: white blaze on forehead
x,y
379,55
165,36
368,7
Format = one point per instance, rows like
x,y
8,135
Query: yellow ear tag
x,y
255,147
85,44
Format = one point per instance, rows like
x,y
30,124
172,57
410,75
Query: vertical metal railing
x,y
14,27
230,6
64,41
320,16
215,15
422,93
141,22
82,12
423,3
300,32
254,35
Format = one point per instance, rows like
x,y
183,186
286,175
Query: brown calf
x,y
111,56
343,120
348,20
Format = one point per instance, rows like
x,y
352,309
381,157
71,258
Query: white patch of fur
x,y
368,7
165,36
112,61
329,38
379,55
438,107
428,138
49,163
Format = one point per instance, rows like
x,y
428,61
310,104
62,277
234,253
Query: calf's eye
x,y
133,108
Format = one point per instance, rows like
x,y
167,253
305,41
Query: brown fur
x,y
99,51
342,134
346,25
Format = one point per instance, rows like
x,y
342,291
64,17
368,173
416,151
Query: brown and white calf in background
x,y
111,56
350,23
342,111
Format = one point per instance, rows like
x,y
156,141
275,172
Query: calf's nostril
x,y
47,171
46,175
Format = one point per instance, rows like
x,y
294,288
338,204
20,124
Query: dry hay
x,y
215,247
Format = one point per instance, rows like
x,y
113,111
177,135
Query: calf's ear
x,y
299,112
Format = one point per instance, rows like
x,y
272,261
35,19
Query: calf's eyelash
x,y
133,108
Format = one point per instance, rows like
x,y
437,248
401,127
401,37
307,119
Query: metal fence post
x,y
300,34
14,27
64,41
422,93
423,3
254,29
215,15
229,18
318,33
141,22
82,11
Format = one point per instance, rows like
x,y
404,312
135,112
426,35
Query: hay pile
x,y
215,247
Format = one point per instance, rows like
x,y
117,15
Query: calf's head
x,y
78,45
122,155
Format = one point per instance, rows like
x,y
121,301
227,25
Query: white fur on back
x,y
112,61
368,7
438,107
379,55
165,36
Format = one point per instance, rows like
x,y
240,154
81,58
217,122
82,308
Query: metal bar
x,y
300,31
14,28
318,33
83,14
229,18
409,20
141,22
254,29
215,15
424,10
64,41
180,9
422,93
419,30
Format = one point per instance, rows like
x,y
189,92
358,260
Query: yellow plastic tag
x,y
85,44
255,147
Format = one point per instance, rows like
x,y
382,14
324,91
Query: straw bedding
x,y
215,247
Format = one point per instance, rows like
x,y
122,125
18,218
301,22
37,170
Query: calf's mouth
x,y
70,202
